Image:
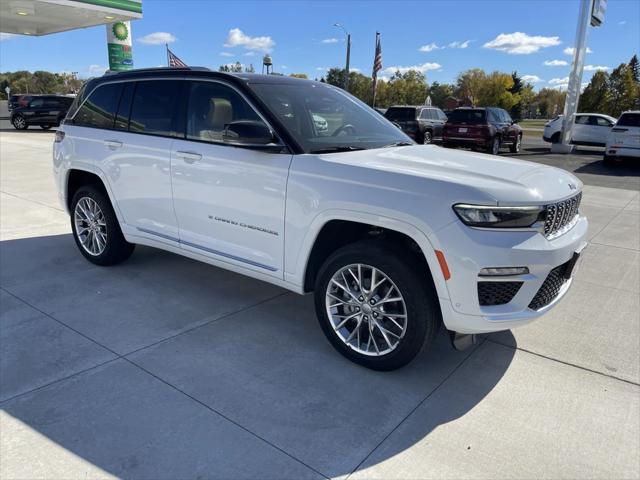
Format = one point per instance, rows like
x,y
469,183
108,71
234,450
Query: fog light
x,y
503,271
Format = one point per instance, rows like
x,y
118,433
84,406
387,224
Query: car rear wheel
x,y
19,123
494,146
427,138
374,307
515,148
95,228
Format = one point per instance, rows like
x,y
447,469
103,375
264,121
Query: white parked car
x,y
588,129
393,238
624,139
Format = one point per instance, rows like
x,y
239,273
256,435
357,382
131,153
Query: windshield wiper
x,y
338,148
401,143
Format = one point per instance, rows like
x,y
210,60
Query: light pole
x,y
346,77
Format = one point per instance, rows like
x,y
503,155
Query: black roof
x,y
198,72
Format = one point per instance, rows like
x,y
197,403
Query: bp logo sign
x,y
120,31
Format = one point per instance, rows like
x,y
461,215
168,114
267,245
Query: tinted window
x,y
52,102
582,120
37,103
506,117
441,115
99,109
153,107
425,115
629,120
212,106
124,107
468,115
400,114
600,121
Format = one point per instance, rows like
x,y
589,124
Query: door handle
x,y
189,157
113,143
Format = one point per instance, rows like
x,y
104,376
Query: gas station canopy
x,y
41,17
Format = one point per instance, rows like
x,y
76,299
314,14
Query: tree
x,y
595,97
635,68
250,69
623,90
438,92
550,102
299,75
468,84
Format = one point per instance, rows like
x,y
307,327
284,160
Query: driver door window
x,y
213,106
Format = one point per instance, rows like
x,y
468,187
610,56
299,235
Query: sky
x,y
438,38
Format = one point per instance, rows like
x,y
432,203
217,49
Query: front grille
x,y
497,293
561,215
550,288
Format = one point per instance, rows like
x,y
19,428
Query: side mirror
x,y
248,133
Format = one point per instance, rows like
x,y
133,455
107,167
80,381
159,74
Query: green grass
x,y
534,123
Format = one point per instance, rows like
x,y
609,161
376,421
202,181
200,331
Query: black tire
x,y
611,160
555,138
45,127
117,249
422,309
494,147
427,137
515,147
19,123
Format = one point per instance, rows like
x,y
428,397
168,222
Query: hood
x,y
505,180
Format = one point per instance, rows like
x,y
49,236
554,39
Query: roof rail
x,y
158,69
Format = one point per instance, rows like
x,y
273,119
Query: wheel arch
x,y
78,177
338,231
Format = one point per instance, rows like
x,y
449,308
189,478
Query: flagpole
x,y
375,73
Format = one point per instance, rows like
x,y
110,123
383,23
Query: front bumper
x,y
468,250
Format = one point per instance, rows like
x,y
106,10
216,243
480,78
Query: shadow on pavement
x,y
210,356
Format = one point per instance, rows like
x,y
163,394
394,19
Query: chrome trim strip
x,y
209,250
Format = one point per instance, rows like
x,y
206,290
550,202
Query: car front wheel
x,y
19,123
374,307
427,138
95,227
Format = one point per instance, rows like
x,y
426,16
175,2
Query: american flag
x,y
377,66
173,60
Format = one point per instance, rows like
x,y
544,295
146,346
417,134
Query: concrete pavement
x,y
163,367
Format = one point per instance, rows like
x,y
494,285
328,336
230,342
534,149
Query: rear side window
x,y
629,120
99,110
124,107
441,115
400,114
470,116
582,120
153,107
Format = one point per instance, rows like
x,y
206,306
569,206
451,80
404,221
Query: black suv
x,y
422,123
44,110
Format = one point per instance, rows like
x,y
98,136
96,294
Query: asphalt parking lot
x,y
163,367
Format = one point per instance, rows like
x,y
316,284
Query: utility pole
x,y
591,12
346,76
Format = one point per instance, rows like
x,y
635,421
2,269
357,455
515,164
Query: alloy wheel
x,y
91,226
19,122
366,309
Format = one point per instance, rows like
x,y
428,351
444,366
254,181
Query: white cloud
x,y
622,22
283,67
425,67
562,87
596,68
354,69
321,68
249,54
6,36
429,48
237,38
458,44
95,70
532,78
330,40
570,50
556,63
519,43
559,81
226,54
157,38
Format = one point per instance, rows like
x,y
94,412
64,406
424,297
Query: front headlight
x,y
498,217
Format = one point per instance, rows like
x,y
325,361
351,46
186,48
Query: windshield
x,y
400,114
468,116
325,118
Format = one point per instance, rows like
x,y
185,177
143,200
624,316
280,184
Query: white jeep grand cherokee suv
x,y
393,238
